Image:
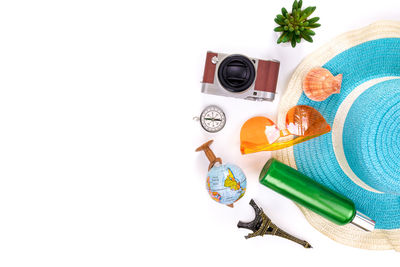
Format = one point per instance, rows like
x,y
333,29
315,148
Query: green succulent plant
x,y
296,25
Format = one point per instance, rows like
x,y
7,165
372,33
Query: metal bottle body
x,y
306,192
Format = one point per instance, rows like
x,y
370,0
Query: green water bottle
x,y
303,190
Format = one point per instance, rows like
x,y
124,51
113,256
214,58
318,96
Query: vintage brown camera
x,y
240,76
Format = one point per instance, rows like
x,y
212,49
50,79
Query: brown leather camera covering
x,y
209,69
267,76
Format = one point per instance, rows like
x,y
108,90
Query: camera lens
x,y
236,73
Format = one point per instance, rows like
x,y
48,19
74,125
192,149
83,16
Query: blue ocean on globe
x,y
226,183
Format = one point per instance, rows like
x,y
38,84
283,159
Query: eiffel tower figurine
x,y
262,225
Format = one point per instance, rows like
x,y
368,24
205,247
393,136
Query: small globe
x,y
226,183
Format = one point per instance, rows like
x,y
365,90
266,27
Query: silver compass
x,y
212,119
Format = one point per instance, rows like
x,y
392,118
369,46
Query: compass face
x,y
212,119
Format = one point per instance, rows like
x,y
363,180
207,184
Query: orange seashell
x,y
319,84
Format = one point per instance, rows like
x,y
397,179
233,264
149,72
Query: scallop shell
x,y
319,84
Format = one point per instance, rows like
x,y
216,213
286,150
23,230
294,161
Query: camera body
x,y
240,76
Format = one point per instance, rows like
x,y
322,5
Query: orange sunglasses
x,y
302,123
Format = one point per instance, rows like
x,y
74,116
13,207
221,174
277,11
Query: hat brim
x,y
305,156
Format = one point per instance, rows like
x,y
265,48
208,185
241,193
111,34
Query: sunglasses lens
x,y
306,121
256,132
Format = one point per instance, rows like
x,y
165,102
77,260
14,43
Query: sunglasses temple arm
x,y
271,147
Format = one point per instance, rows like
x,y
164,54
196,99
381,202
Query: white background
x,y
97,161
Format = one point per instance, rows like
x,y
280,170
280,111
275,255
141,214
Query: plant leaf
x,y
295,6
313,20
315,25
284,12
280,17
293,42
307,12
279,22
313,8
309,32
286,38
306,37
280,39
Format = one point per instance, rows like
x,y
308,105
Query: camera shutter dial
x,y
236,73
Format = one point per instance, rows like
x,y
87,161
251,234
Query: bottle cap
x,y
363,222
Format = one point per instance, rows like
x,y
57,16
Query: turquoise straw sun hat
x,y
360,157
